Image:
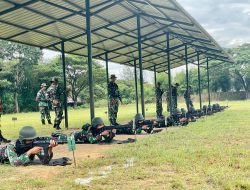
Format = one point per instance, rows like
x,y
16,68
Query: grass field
x,y
211,154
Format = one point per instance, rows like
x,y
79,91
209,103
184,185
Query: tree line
x,y
23,70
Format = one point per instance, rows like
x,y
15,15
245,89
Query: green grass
x,y
211,154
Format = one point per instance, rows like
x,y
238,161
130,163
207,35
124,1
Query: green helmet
x,y
27,133
177,111
97,121
183,111
139,117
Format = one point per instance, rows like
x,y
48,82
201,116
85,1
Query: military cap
x,y
113,77
43,85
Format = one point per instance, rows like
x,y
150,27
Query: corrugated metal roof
x,y
45,23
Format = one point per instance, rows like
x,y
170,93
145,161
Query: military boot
x,y
111,121
43,121
58,127
115,123
49,121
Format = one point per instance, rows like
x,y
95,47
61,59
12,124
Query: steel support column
x,y
140,62
187,75
90,76
64,87
169,75
208,85
155,77
107,77
136,87
199,80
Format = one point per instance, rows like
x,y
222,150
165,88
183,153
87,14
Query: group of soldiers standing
x,y
47,97
174,98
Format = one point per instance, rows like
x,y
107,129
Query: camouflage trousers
x,y
190,103
44,111
159,108
174,102
113,108
59,115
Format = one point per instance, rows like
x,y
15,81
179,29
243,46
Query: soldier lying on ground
x,y
14,154
142,124
94,133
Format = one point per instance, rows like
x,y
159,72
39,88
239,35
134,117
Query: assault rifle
x,y
120,129
42,142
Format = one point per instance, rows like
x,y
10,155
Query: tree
x,y
241,71
21,57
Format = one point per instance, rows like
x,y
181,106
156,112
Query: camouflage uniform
x,y
9,155
159,93
55,93
43,99
114,97
174,97
187,97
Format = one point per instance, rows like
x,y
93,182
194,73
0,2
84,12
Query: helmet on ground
x,y
43,85
139,117
54,79
97,121
27,133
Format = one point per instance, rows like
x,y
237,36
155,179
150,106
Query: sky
x,y
227,21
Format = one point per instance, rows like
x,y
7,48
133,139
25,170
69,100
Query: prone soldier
x,y
19,153
43,99
142,124
95,133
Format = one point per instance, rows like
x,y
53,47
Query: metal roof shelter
x,y
160,34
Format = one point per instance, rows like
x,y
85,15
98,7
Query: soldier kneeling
x,y
142,124
94,133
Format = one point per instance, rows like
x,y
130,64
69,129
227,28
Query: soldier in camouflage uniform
x,y
55,92
159,93
114,97
187,97
175,96
11,154
43,99
94,133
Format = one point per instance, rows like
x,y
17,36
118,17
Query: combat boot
x,y
43,121
57,127
49,121
111,121
115,123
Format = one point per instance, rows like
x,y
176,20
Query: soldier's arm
x,y
38,97
14,159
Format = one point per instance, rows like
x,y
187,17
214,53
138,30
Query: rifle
x,y
43,142
121,129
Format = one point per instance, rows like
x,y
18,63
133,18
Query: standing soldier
x,y
55,92
43,99
175,95
168,100
159,93
187,97
114,97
